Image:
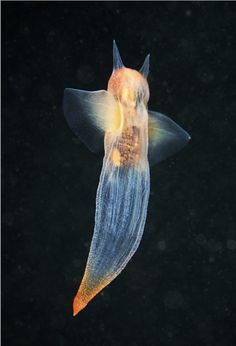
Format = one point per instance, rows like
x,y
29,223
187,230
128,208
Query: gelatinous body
x,y
133,137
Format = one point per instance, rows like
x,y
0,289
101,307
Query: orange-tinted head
x,y
128,85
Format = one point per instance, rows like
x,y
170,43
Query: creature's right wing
x,y
165,137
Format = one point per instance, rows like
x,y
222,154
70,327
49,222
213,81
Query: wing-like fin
x,y
90,114
165,137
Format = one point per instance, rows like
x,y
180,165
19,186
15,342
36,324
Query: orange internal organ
x,y
127,150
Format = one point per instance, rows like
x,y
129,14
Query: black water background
x,y
179,289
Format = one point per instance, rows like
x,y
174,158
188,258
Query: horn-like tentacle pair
x,y
117,61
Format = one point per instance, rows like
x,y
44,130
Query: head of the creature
x,y
130,87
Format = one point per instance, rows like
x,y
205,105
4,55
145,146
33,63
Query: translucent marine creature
x,y
133,138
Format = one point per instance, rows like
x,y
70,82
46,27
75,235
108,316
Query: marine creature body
x,y
133,137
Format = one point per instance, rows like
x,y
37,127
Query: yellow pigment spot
x,y
116,157
153,132
112,123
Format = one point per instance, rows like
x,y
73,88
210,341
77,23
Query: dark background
x,y
179,288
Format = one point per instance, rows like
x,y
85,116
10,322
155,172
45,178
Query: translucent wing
x,y
165,137
90,114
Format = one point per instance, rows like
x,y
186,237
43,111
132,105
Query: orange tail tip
x,y
87,291
78,305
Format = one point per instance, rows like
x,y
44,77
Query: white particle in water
x,y
231,244
161,245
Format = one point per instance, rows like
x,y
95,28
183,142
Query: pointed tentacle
x,y
145,68
117,62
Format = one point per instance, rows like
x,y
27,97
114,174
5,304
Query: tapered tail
x,y
121,208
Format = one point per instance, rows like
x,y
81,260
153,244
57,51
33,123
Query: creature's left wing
x,y
165,137
91,113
